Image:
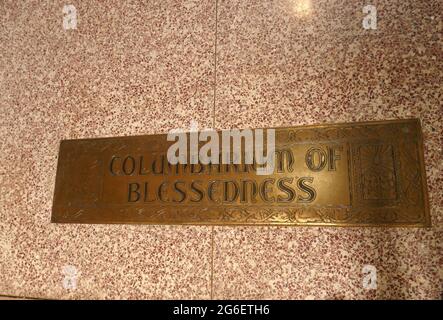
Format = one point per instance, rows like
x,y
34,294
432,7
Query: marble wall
x,y
143,67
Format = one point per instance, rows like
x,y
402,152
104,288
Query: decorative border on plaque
x,y
388,184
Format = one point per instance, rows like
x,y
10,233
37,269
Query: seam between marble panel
x,y
213,126
212,263
23,297
215,63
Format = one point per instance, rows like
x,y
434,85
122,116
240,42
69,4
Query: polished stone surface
x,y
282,63
132,69
128,69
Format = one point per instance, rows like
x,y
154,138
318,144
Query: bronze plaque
x,y
353,174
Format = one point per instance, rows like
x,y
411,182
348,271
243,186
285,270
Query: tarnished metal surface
x,y
352,174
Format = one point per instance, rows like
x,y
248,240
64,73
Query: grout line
x,y
213,127
212,262
23,297
215,63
